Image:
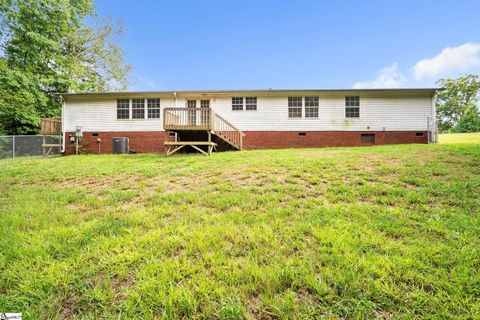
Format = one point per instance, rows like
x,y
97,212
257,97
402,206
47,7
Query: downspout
x,y
63,125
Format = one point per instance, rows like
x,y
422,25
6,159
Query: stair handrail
x,y
227,131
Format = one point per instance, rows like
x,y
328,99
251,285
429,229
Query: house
x,y
248,119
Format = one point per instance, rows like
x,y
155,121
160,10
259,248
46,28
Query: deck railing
x,y
51,126
187,119
227,131
202,119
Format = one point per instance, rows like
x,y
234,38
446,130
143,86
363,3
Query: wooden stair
x,y
181,120
227,132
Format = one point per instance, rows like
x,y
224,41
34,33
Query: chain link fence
x,y
12,147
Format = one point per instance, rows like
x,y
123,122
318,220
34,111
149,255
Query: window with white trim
x,y
295,107
123,109
251,103
352,107
138,108
153,108
237,103
311,107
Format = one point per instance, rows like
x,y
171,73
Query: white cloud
x,y
388,77
450,60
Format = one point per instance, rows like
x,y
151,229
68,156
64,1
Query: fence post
x,y
13,147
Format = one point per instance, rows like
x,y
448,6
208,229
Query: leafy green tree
x,y
469,122
48,48
459,96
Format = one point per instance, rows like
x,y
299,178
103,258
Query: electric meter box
x,y
78,132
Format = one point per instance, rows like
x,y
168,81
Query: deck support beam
x,y
173,146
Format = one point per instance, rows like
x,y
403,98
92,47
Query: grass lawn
x,y
386,232
473,137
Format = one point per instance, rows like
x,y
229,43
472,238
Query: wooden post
x,y
43,146
13,147
212,120
209,140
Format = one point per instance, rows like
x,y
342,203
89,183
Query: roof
x,y
250,91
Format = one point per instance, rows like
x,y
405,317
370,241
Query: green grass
x,y
449,138
386,232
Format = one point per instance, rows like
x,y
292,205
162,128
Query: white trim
x,y
130,110
145,109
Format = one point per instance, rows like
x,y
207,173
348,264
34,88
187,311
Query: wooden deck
x,y
200,119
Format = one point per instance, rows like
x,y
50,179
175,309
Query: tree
x,y
459,96
48,48
469,122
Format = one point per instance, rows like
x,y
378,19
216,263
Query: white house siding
x,y
378,111
101,115
392,113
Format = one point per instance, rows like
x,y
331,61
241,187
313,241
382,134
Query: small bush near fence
x,y
26,146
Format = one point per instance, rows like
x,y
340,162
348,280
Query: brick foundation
x,y
152,141
316,139
139,141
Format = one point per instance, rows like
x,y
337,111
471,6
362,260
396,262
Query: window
x,y
251,103
368,138
352,101
419,134
123,109
138,108
352,107
294,107
153,108
302,134
204,104
311,107
237,103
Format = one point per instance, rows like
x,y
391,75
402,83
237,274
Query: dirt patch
x,y
144,186
68,308
408,185
382,314
374,161
95,184
119,285
254,308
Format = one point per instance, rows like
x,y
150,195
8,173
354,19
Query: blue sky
x,y
178,45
